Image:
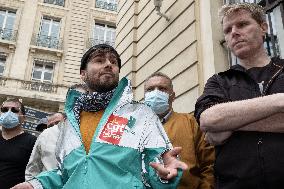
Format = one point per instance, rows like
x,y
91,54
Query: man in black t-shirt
x,y
15,145
242,109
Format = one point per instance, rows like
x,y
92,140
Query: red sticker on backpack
x,y
113,129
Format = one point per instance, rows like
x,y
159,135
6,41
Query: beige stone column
x,y
212,55
25,32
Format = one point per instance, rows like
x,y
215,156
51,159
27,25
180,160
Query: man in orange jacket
x,y
183,131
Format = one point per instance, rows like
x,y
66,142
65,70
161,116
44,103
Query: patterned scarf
x,y
92,102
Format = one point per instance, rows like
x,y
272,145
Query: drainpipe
x,y
158,4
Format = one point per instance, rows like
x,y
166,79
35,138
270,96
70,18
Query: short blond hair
x,y
257,11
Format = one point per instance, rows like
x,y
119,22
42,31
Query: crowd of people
x,y
105,139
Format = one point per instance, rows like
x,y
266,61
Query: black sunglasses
x,y
13,109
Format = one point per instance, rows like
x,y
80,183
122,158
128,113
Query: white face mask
x,y
9,120
158,101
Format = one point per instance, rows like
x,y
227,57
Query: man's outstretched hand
x,y
171,164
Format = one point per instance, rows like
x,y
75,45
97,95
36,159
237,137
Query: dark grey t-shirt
x,y
14,156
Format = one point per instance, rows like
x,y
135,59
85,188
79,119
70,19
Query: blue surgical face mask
x,y
158,101
9,120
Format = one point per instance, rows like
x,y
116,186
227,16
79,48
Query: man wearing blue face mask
x,y
183,131
15,145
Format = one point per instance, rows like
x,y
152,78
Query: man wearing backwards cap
x,y
108,140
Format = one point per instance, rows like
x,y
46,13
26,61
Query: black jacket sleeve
x,y
214,93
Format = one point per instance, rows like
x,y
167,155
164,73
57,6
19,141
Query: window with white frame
x,y
50,27
43,71
49,33
107,4
55,2
2,64
103,33
7,20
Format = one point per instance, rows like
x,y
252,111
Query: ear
x,y
22,118
264,27
172,96
83,74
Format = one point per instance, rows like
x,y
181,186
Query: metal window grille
x,y
106,4
55,2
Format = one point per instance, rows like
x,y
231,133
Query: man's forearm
x,y
234,115
274,124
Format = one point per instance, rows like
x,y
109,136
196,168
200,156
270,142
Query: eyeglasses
x,y
13,109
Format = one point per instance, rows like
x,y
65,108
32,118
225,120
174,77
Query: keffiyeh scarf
x,y
93,102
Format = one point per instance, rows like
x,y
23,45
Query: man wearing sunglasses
x,y
15,145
